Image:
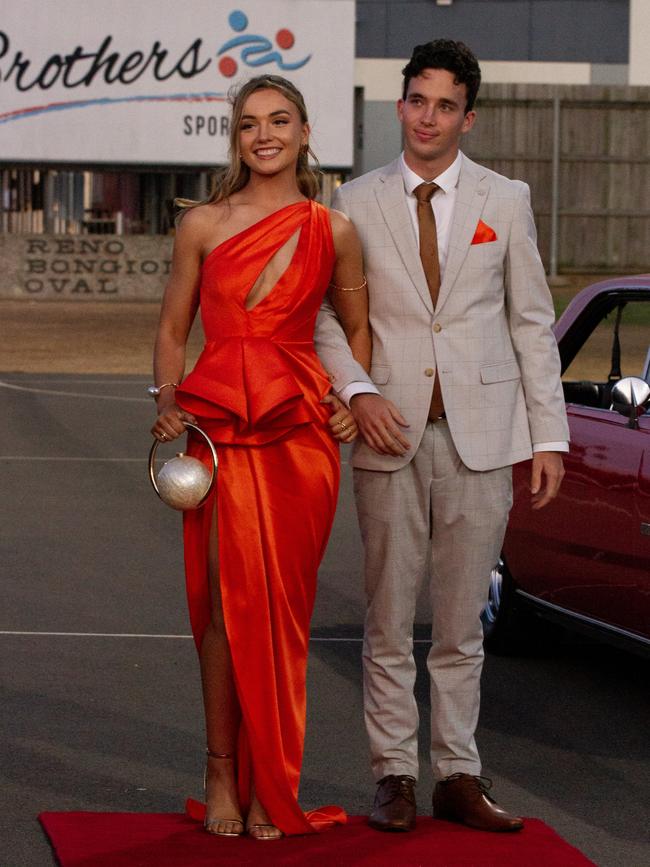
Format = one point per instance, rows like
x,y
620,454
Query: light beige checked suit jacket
x,y
490,336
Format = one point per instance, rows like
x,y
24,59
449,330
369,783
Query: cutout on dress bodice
x,y
276,267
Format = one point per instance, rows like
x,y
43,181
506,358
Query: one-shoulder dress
x,y
256,391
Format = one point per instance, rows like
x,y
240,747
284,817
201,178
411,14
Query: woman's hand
x,y
342,424
169,424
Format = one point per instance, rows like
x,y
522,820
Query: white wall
x,y
639,42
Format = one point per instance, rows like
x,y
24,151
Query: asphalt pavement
x,y
100,706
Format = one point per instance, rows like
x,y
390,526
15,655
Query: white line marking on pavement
x,y
98,460
54,393
146,635
63,458
92,634
85,379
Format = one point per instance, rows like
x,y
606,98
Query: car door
x,y
585,552
604,568
589,550
643,539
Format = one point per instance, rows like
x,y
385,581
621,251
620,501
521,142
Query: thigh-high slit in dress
x,y
256,391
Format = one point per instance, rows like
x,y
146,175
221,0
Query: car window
x,y
586,379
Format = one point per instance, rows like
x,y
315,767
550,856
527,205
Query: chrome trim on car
x,y
491,610
584,618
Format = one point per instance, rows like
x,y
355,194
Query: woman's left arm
x,y
348,290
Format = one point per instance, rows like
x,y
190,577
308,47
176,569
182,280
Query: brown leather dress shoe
x,y
394,807
464,798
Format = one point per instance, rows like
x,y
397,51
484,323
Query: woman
x,y
258,257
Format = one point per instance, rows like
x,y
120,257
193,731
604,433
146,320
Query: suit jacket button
x,y
428,371
437,327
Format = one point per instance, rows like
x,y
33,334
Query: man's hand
x,y
546,477
379,422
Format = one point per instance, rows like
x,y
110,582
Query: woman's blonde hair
x,y
235,176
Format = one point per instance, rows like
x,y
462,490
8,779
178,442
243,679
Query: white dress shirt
x,y
442,203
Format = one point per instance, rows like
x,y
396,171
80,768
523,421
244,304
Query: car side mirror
x,y
631,397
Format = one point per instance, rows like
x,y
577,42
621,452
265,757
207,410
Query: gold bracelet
x,y
350,288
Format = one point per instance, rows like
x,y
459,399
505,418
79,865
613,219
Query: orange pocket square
x,y
483,234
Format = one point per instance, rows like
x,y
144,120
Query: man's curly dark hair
x,y
447,54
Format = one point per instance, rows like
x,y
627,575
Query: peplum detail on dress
x,y
244,390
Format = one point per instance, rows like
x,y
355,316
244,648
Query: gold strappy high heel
x,y
256,831
252,829
208,824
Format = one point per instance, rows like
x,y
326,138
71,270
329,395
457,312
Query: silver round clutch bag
x,y
183,482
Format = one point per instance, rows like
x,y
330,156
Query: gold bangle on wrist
x,y
350,288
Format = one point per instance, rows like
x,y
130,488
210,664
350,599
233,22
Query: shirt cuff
x,y
352,388
551,447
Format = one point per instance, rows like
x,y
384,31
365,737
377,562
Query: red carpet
x,y
172,840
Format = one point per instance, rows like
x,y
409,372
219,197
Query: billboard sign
x,y
122,82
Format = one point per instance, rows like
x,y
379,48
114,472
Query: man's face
x,y
433,118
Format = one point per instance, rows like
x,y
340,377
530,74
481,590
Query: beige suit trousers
x,y
437,517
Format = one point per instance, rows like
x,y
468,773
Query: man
x,y
467,379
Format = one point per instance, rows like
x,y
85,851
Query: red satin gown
x,y
256,391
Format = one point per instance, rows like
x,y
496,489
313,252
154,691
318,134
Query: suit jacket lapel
x,y
392,203
471,196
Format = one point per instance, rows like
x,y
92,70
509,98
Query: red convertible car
x,y
585,559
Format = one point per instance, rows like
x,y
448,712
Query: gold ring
x,y
163,436
343,424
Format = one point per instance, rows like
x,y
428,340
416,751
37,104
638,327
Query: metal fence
x,y
74,201
585,151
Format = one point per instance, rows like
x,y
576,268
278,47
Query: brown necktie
x,y
429,257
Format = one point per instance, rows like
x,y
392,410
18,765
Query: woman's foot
x,y
222,813
258,825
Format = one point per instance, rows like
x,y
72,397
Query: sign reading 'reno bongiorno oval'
x,y
128,82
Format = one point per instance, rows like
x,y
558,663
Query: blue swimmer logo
x,y
258,51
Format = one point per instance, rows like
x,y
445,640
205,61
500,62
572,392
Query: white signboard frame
x,y
86,81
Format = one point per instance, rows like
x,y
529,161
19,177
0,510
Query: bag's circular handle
x,y
213,455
